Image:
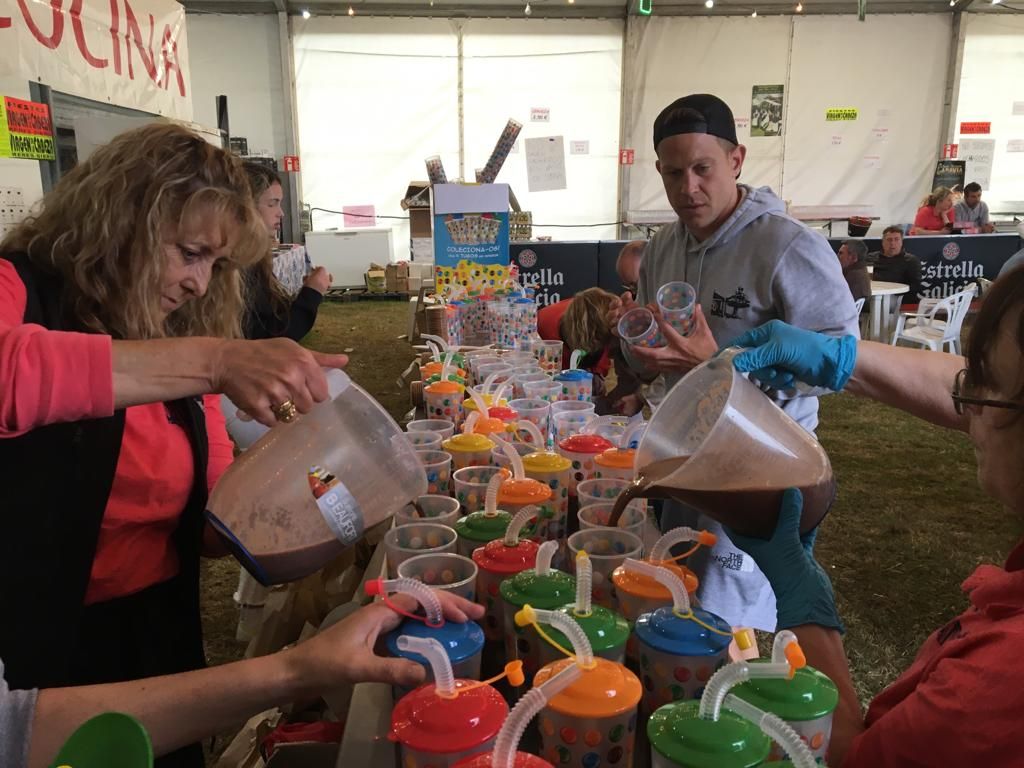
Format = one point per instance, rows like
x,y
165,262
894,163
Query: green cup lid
x,y
548,592
479,526
604,628
808,696
679,734
110,740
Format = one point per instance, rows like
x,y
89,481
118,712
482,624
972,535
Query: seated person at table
x,y
853,256
582,323
935,216
973,210
894,265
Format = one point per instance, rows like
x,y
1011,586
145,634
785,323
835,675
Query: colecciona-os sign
x,y
133,53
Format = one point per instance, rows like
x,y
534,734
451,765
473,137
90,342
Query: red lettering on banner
x,y
83,48
115,43
169,47
5,22
54,39
134,34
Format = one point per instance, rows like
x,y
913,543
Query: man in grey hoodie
x,y
749,262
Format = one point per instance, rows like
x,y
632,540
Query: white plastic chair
x,y
859,304
932,333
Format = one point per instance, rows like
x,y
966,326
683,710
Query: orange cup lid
x,y
428,370
617,458
487,426
606,690
642,585
444,388
526,491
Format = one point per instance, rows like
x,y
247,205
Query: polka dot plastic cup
x,y
438,466
568,423
572,406
677,655
416,539
593,722
499,459
576,385
554,470
470,486
444,427
478,528
676,301
639,328
548,354
424,441
450,572
542,390
608,549
481,360
581,451
443,510
537,412
443,400
616,463
597,515
496,562
638,594
469,451
520,380
548,591
501,371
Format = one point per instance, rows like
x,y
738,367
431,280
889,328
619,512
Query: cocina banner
x,y
133,53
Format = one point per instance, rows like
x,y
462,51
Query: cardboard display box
x,y
471,236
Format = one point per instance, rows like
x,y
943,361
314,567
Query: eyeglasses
x,y
960,400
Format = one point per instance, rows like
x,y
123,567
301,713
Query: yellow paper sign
x,y
26,131
840,113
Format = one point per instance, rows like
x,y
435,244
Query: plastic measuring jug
x,y
442,722
443,400
593,721
468,450
283,520
496,561
581,451
541,586
806,703
533,701
719,444
606,630
680,737
679,647
555,471
462,643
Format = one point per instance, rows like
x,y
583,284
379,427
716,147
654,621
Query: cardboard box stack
x,y
396,277
421,234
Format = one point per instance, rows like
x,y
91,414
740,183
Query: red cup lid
x,y
485,759
507,415
585,444
496,557
424,721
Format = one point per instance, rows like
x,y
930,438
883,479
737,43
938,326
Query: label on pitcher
x,y
339,507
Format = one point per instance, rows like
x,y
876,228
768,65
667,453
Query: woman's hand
x,y
319,280
259,376
345,654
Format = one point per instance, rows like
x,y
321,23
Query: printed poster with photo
x,y
766,110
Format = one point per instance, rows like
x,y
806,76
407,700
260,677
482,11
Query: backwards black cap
x,y
696,113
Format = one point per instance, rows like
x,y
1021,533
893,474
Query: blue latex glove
x,y
803,592
780,353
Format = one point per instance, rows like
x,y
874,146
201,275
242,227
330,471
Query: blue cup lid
x,y
460,640
574,374
663,631
524,300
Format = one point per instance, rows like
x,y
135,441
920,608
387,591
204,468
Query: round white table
x,y
881,324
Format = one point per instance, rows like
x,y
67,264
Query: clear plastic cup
x,y
604,490
573,406
499,459
608,549
309,489
450,572
542,390
438,466
424,441
639,328
554,470
501,371
568,423
577,385
443,510
633,518
470,486
548,354
444,427
481,360
443,400
676,301
416,539
537,412
520,380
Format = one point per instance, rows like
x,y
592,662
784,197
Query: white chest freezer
x,y
348,253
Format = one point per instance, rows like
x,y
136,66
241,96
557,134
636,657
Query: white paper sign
x,y
1015,145
540,115
880,134
979,154
1018,107
545,164
837,139
742,123
872,162
579,147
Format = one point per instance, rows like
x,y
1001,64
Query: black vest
x,y
54,485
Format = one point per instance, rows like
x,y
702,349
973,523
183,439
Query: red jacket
x,y
960,702
549,319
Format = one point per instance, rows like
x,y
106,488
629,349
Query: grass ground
x,y
909,525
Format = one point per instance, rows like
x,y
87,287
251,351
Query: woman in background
x,y
935,216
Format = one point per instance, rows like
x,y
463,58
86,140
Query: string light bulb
x,y
572,2
799,7
527,10
351,11
709,3
305,13
753,15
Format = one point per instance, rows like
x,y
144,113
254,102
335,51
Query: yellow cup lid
x,y
617,458
642,585
526,491
546,461
464,442
605,690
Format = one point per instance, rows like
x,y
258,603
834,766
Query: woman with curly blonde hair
x,y
935,216
120,312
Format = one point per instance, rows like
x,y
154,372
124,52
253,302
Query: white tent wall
x,y
991,82
723,56
892,69
239,56
572,68
375,96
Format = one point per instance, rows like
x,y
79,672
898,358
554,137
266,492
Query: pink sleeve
x,y
922,219
222,451
48,376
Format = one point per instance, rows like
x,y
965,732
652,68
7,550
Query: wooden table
x,y
881,321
